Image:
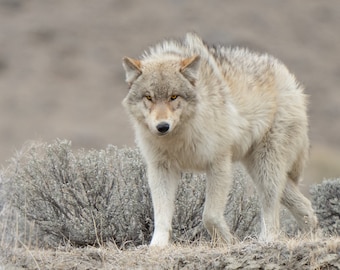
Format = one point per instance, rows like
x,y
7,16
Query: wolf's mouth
x,y
162,134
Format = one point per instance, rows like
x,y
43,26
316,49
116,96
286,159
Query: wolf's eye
x,y
148,97
173,97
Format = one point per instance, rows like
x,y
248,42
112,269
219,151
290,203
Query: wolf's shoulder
x,y
230,58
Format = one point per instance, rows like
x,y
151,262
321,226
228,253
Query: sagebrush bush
x,y
89,197
326,201
86,198
93,196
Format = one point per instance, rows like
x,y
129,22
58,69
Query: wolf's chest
x,y
190,156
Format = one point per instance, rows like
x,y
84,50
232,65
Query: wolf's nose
x,y
163,127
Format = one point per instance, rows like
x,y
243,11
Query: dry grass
x,y
295,253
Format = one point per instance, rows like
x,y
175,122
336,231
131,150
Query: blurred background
x,y
61,74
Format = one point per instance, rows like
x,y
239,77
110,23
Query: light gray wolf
x,y
199,108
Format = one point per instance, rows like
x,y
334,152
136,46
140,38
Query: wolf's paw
x,y
160,239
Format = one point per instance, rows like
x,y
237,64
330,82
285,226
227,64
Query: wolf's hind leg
x,y
267,170
218,184
299,206
293,199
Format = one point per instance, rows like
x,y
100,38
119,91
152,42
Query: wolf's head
x,y
161,91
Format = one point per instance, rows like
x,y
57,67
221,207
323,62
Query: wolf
x,y
199,108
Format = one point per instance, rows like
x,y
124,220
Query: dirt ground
x,y
61,73
292,254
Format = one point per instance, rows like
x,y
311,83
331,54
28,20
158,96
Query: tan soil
x,y
291,254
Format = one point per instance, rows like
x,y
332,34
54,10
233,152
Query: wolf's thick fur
x,y
199,108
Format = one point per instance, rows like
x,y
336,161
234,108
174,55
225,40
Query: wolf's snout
x,y
163,127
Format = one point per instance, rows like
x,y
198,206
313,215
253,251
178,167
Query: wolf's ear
x,y
189,68
132,69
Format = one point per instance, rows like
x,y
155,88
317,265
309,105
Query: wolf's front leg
x,y
163,184
219,181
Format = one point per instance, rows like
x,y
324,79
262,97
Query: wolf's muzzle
x,y
163,127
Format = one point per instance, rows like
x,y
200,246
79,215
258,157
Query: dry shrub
x,y
326,201
85,197
90,197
